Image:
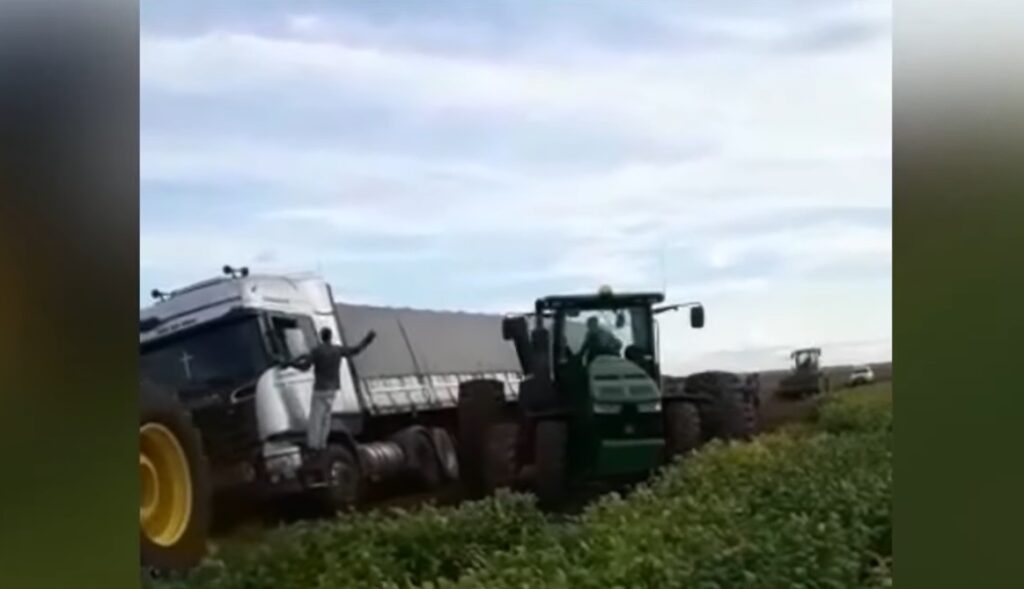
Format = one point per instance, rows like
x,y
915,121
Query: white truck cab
x,y
219,345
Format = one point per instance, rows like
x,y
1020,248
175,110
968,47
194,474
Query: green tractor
x,y
591,407
807,378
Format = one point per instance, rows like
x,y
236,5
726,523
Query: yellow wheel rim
x,y
166,486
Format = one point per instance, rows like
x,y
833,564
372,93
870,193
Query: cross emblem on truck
x,y
186,363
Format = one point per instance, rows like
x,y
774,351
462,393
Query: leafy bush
x,y
379,549
801,508
863,410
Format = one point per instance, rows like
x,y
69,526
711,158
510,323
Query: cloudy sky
x,y
474,155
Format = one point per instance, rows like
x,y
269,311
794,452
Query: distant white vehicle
x,y
861,375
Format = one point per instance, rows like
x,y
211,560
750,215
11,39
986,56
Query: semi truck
x,y
220,408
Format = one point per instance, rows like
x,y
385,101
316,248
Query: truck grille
x,y
230,432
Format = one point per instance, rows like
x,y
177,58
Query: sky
x,y
476,155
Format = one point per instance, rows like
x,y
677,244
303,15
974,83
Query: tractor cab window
x,y
607,332
805,360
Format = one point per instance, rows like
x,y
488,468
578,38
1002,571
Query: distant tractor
x,y
591,406
807,378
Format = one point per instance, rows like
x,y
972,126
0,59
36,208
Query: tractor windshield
x,y
607,332
806,359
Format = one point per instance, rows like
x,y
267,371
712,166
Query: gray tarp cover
x,y
434,342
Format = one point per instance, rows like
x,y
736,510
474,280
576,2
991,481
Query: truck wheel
x,y
481,403
341,474
174,508
682,429
446,454
500,464
550,443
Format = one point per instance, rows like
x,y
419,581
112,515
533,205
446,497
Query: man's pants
x,y
320,419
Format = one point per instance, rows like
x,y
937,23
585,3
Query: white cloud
x,y
713,148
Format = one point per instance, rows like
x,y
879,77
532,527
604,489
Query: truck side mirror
x,y
697,317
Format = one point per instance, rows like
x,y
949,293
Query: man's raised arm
x,y
358,348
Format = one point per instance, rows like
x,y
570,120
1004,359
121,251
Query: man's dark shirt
x,y
326,360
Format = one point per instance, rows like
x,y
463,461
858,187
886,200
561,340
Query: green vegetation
x,y
804,507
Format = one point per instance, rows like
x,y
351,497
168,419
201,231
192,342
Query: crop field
x,y
807,505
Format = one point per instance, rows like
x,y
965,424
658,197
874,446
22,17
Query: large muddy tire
x,y
481,404
340,472
550,477
738,415
175,493
501,465
446,453
728,411
421,456
682,429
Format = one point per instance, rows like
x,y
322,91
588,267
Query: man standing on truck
x,y
326,362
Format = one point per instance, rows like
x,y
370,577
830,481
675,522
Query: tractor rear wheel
x,y
550,445
481,403
500,462
682,429
174,509
729,410
738,417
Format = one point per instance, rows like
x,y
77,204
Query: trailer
x,y
216,349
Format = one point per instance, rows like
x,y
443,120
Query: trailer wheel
x,y
174,507
550,483
481,403
500,464
342,480
682,429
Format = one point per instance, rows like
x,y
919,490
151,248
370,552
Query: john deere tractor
x,y
806,378
591,406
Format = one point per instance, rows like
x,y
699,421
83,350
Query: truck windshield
x,y
223,353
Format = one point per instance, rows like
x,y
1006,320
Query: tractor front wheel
x,y
550,444
500,467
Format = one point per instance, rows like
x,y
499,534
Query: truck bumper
x,y
621,457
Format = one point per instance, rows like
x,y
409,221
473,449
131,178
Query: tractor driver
x,y
599,341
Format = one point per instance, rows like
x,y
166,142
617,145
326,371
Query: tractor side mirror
x,y
620,319
514,328
697,317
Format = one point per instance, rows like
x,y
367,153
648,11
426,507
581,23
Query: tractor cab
x,y
592,383
807,378
806,360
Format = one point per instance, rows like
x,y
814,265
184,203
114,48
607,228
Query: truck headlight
x,y
607,408
649,407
